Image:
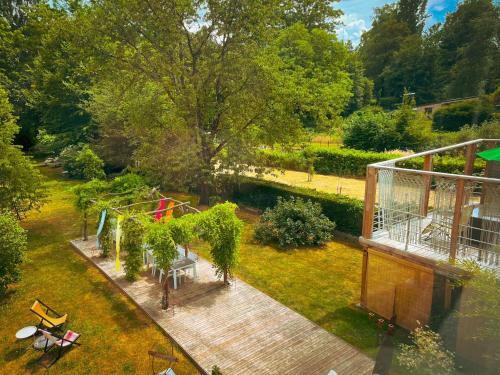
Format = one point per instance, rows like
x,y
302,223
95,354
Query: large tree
x,y
470,48
21,187
222,76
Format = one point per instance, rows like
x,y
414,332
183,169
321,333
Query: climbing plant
x,y
84,195
133,231
182,229
159,238
221,228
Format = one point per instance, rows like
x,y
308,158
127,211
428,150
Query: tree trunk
x,y
164,300
204,192
226,278
85,237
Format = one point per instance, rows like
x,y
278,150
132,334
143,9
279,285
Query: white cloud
x,y
351,28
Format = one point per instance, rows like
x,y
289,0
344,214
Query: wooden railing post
x,y
470,155
370,193
427,183
367,231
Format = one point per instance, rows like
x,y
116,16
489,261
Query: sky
x,y
358,13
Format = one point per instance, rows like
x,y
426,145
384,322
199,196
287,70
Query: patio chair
x,y
60,343
169,358
42,310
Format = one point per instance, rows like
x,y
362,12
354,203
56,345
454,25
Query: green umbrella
x,y
490,155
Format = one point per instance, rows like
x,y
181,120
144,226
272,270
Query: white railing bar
x,y
432,152
439,174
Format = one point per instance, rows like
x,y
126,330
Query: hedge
x,y
346,212
350,162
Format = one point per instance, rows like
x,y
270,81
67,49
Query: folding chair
x,y
170,359
42,310
62,343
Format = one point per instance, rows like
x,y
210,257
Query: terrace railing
x,y
441,216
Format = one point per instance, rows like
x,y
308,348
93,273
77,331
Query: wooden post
x,y
368,214
364,272
427,182
85,225
487,172
459,200
370,193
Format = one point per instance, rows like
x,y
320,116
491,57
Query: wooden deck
x,y
238,328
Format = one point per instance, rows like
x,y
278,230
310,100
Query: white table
x,y
26,332
183,264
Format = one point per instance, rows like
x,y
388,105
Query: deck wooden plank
x,y
238,328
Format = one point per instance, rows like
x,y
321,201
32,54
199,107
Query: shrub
x,y
346,212
294,223
127,182
371,129
326,160
426,354
12,246
81,162
350,162
454,116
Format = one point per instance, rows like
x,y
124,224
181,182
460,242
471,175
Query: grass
x,y
116,335
322,284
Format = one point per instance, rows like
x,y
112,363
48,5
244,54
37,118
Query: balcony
x,y
435,216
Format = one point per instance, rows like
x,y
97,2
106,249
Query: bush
x,y
294,223
81,162
12,246
346,212
371,129
326,160
127,183
454,116
426,354
350,162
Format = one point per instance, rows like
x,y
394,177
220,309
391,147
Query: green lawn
x,y
323,284
116,336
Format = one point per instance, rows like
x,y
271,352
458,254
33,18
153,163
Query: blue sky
x,y
358,14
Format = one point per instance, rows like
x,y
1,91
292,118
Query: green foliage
x,y
81,162
13,242
107,239
351,162
426,355
326,160
372,130
182,228
221,228
293,223
346,212
216,370
454,116
315,64
159,238
90,190
21,185
133,232
482,303
127,182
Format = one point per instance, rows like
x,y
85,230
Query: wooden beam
x,y
424,209
487,171
364,278
457,215
370,193
470,157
